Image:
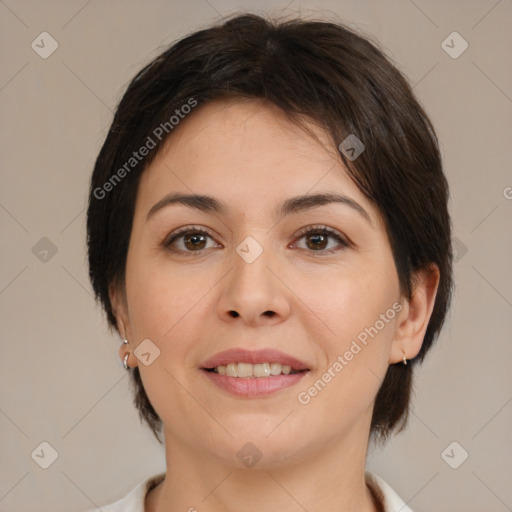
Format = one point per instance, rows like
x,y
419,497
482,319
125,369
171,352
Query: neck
x,y
331,479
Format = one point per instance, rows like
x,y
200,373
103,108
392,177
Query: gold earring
x,y
404,360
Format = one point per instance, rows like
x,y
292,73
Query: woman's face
x,y
248,278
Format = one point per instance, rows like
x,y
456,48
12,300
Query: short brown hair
x,y
317,70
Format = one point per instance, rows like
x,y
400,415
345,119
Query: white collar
x,y
134,501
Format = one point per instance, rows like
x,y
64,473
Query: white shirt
x,y
135,499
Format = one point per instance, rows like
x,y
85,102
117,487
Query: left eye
x,y
317,239
196,240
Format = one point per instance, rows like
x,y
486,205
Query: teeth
x,y
275,369
244,370
232,370
261,370
247,370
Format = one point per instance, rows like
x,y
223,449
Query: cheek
x,y
363,320
170,307
357,328
158,295
344,388
346,305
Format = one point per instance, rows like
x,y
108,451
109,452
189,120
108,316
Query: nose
x,y
254,293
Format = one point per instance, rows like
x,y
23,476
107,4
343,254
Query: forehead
x,y
234,131
248,154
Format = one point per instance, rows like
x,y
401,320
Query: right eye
x,y
188,240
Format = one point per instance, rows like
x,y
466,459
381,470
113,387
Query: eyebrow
x,y
293,205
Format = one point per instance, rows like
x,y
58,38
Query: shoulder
x,y
391,501
134,500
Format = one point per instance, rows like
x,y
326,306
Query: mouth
x,y
253,374
254,371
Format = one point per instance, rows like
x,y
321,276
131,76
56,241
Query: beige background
x,y
62,381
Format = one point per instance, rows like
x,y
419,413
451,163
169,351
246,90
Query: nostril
x,y
234,314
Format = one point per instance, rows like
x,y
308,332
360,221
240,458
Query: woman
x,y
268,232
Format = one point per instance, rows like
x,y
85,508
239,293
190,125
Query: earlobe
x,y
415,315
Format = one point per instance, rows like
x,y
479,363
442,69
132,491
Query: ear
x,y
414,318
117,295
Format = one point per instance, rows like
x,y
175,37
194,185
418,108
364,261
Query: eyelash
x,y
323,230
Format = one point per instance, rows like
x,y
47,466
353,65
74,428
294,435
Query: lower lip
x,y
254,387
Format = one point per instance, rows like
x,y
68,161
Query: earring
x,y
404,360
125,360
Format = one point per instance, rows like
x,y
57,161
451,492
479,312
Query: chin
x,y
255,449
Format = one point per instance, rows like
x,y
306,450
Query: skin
x,y
250,156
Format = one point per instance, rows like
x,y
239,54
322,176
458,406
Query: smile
x,y
248,370
253,373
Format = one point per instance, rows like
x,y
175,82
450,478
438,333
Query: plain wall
x,y
62,379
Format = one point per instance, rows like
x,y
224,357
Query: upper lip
x,y
240,355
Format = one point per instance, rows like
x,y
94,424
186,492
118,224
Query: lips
x,y
254,357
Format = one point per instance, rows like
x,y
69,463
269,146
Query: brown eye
x,y
318,239
194,241
188,241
